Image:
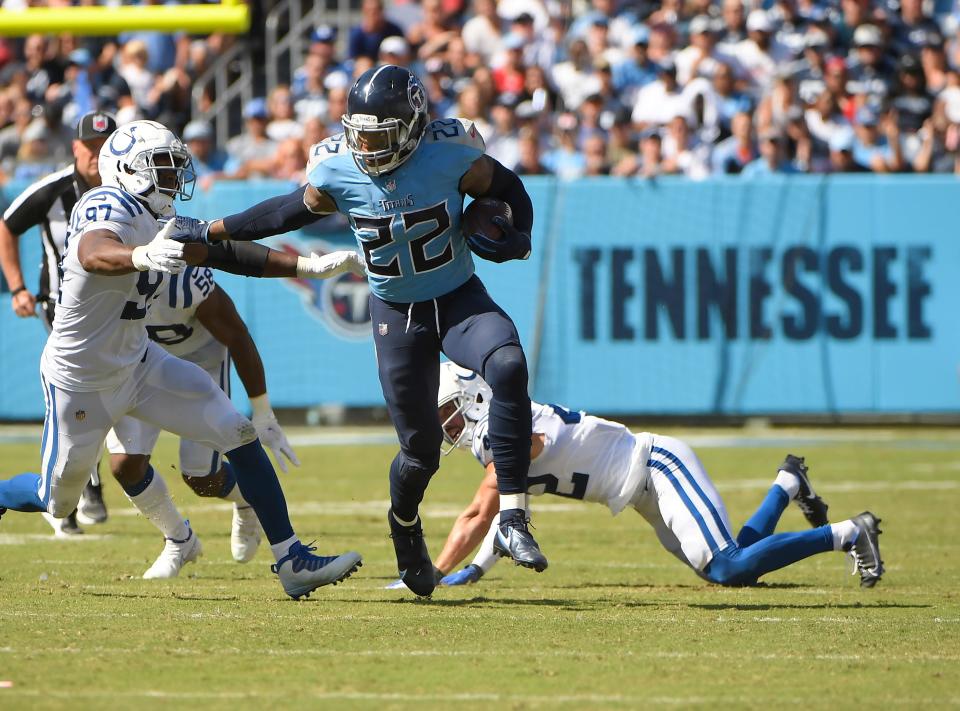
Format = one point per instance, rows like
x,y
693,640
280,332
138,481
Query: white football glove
x,y
324,266
270,434
161,255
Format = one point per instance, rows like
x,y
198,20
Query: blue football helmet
x,y
385,119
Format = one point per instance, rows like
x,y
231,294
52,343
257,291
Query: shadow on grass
x,y
566,605
748,607
160,595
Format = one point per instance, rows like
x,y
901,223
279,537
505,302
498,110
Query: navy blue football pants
x,y
475,333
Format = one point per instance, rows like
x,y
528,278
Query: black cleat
x,y
92,510
2,511
413,561
514,540
66,527
866,550
812,506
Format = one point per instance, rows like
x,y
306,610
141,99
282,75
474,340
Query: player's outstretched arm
x,y
101,251
273,216
218,314
256,260
472,525
487,177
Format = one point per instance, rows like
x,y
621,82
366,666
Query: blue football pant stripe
x,y
694,484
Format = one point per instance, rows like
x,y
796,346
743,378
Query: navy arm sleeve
x,y
274,216
506,186
243,258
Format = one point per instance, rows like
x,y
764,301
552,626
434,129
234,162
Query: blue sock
x,y
20,493
743,566
764,521
260,487
229,480
140,486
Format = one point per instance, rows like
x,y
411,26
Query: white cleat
x,y
63,527
245,534
174,556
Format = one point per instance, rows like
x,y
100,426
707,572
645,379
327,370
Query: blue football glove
x,y
189,229
513,245
469,575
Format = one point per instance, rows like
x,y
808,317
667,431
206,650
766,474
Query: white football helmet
x,y
471,395
147,160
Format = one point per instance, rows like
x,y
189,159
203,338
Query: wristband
x,y
14,292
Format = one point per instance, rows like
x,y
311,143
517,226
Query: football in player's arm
x,y
587,458
401,180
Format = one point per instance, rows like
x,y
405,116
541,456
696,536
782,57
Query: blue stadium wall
x,y
806,295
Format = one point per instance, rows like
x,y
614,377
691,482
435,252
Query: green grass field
x,y
614,622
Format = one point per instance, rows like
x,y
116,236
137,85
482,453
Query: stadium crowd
x,y
691,87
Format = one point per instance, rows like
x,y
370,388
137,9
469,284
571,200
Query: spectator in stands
x,y
471,105
537,89
871,74
253,144
529,149
760,54
394,50
934,155
508,76
283,124
311,100
133,69
651,153
208,161
876,151
39,67
336,108
320,61
12,135
722,102
771,158
934,61
595,155
734,25
481,33
432,32
290,161
841,153
912,29
636,71
733,153
574,78
34,157
701,57
808,72
912,101
503,143
374,27
683,152
823,121
658,103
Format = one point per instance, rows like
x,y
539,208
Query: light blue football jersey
x,y
407,222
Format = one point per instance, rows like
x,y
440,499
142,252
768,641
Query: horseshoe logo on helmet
x,y
128,133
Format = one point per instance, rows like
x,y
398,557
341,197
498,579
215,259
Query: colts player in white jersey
x,y
196,320
98,364
579,456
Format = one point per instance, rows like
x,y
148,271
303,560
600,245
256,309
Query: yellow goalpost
x,y
230,16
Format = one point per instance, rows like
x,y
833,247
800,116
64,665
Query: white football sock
x,y
844,535
279,550
155,504
235,496
513,501
790,483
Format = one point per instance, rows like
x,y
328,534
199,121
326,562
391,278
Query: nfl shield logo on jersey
x,y
390,186
80,415
382,329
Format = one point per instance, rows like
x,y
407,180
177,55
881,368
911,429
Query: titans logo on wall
x,y
340,303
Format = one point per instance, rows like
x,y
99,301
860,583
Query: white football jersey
x,y
173,323
583,457
98,332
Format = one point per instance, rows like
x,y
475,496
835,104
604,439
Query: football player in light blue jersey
x,y
401,181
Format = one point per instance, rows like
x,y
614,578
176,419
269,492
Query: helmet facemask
x,y
170,170
380,145
462,403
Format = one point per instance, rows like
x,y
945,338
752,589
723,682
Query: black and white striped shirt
x,y
47,203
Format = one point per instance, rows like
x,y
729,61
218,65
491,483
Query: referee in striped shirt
x,y
48,203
